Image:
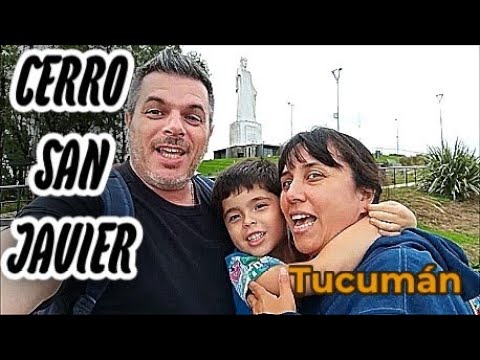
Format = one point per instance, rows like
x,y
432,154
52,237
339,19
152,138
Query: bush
x,y
412,160
454,174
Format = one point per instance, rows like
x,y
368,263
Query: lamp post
x,y
336,75
291,117
396,121
439,98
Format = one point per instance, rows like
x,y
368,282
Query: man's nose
x,y
295,192
174,126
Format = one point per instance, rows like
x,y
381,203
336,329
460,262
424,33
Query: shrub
x,y
452,173
412,160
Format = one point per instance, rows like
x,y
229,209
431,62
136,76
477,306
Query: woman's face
x,y
319,201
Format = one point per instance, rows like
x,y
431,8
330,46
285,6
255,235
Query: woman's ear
x,y
365,196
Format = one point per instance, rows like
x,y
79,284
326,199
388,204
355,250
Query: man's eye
x,y
194,119
154,112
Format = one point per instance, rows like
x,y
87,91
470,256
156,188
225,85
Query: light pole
x,y
439,98
396,121
336,75
291,117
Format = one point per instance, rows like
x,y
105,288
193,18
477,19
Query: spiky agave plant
x,y
452,173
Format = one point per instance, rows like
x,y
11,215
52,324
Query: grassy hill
x,y
455,220
214,167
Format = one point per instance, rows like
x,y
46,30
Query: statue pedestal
x,y
245,133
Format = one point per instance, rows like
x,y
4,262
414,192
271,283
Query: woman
x,y
328,180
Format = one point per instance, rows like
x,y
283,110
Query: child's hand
x,y
263,302
391,217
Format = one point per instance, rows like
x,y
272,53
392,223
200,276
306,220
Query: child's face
x,y
254,221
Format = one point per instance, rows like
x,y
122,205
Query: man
x,y
169,113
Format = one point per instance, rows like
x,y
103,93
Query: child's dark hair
x,y
245,175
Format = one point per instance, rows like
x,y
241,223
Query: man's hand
x,y
263,302
391,217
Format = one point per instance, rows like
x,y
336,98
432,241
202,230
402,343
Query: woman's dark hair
x,y
316,142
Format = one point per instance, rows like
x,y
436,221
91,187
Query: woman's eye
x,y
315,175
286,184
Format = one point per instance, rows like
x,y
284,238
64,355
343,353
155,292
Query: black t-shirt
x,y
180,261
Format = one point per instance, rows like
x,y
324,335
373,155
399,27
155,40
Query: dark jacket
x,y
409,252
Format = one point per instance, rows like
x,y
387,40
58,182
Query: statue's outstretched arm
x,y
238,81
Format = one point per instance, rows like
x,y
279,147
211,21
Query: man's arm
x,y
22,296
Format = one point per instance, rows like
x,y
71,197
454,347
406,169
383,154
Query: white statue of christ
x,y
247,95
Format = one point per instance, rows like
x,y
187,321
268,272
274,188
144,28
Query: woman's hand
x,y
391,217
263,302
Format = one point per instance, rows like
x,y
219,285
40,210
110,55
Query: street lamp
x,y
291,117
336,75
396,121
439,98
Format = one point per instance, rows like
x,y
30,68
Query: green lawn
x,y
459,238
215,166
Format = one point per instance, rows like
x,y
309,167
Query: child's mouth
x,y
256,238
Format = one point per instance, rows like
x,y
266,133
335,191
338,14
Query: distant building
x,y
247,151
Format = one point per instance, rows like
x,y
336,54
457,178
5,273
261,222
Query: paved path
x,y
398,186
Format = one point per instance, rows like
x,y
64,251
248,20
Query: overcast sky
x,y
378,84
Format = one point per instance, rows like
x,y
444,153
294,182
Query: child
x,y
247,197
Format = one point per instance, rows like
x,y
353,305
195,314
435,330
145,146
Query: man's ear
x,y
211,130
128,118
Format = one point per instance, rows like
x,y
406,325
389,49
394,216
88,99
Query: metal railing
x,y
402,175
12,199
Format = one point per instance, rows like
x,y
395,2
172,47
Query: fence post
x,y
19,195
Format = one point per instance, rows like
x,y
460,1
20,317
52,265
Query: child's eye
x,y
260,206
233,218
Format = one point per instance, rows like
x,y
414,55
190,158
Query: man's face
x,y
169,129
254,221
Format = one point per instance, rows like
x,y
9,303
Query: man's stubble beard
x,y
138,159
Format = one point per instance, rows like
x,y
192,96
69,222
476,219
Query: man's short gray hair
x,y
172,61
